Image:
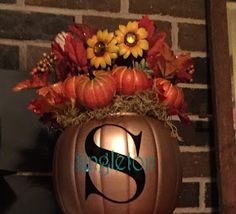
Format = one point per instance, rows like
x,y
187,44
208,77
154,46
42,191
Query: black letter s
x,y
93,150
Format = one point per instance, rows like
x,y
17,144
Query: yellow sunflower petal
x,y
123,29
90,53
101,35
142,33
136,51
118,33
109,37
92,61
113,41
140,52
112,48
123,49
143,44
103,63
107,59
120,38
113,55
92,41
126,55
97,61
132,26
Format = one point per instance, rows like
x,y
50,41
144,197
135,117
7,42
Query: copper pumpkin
x,y
123,164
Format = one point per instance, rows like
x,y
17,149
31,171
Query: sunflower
x,y
131,40
102,49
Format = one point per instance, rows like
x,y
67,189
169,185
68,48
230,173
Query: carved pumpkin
x,y
169,94
95,92
126,164
130,80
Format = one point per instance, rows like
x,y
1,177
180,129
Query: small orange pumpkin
x,y
69,88
169,94
130,80
96,91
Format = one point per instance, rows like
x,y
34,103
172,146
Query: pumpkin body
x,y
146,180
170,95
130,80
97,92
69,87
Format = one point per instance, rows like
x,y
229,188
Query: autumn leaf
x,y
149,25
82,31
39,106
76,51
38,80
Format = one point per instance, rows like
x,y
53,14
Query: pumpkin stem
x,y
91,75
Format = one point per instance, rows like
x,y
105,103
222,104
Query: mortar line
x,y
23,57
202,191
192,118
174,36
20,3
193,85
198,179
188,210
194,149
78,19
29,173
200,54
124,6
40,43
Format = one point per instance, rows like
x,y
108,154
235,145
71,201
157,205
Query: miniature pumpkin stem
x,y
91,75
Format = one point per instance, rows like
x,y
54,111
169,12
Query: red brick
x,y
189,195
202,71
196,133
181,8
192,37
104,22
30,26
101,5
198,101
9,57
199,164
8,1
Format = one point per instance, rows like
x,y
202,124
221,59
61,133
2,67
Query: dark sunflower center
x,y
131,39
99,49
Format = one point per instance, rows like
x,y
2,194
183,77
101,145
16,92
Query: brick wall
x,y
26,28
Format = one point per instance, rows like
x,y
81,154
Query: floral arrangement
x,y
93,73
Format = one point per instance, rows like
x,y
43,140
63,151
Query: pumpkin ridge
x,y
102,88
101,91
121,78
135,78
92,94
129,83
80,89
84,96
76,183
156,161
112,91
112,83
74,88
